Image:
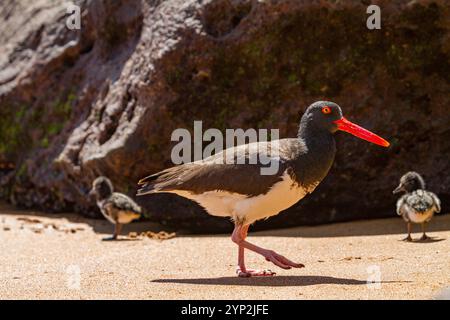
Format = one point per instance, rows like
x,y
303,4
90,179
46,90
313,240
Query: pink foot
x,y
254,273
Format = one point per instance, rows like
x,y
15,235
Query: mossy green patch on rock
x,y
11,129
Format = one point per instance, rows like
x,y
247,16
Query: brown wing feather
x,y
206,175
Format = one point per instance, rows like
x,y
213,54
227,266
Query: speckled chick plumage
x,y
417,205
115,207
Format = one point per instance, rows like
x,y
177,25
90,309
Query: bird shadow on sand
x,y
429,240
277,281
121,240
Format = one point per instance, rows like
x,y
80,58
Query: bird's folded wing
x,y
436,201
216,173
420,201
400,205
125,203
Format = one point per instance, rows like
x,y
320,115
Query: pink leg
x,y
241,270
238,236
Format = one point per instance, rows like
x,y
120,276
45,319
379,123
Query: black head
x,y
326,116
323,115
102,188
410,182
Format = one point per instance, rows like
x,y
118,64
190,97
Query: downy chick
x,y
417,205
117,208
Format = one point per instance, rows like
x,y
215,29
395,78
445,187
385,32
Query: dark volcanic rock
x,y
105,99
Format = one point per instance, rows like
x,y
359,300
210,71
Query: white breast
x,y
416,217
247,210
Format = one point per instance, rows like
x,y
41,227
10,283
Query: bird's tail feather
x,y
158,181
148,184
146,189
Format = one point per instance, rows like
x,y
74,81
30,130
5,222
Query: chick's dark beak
x,y
398,189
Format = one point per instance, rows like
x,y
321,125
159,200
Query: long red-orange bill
x,y
348,126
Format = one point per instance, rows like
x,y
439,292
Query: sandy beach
x,y
61,256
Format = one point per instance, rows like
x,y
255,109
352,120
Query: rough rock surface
x,y
105,99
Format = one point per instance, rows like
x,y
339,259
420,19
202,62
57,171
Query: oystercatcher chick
x,y
240,189
417,205
117,208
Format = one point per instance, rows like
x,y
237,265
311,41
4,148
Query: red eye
x,y
326,110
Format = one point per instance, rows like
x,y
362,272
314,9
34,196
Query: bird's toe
x,y
287,261
255,273
279,260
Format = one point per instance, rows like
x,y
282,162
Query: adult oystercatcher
x,y
417,205
117,208
241,192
